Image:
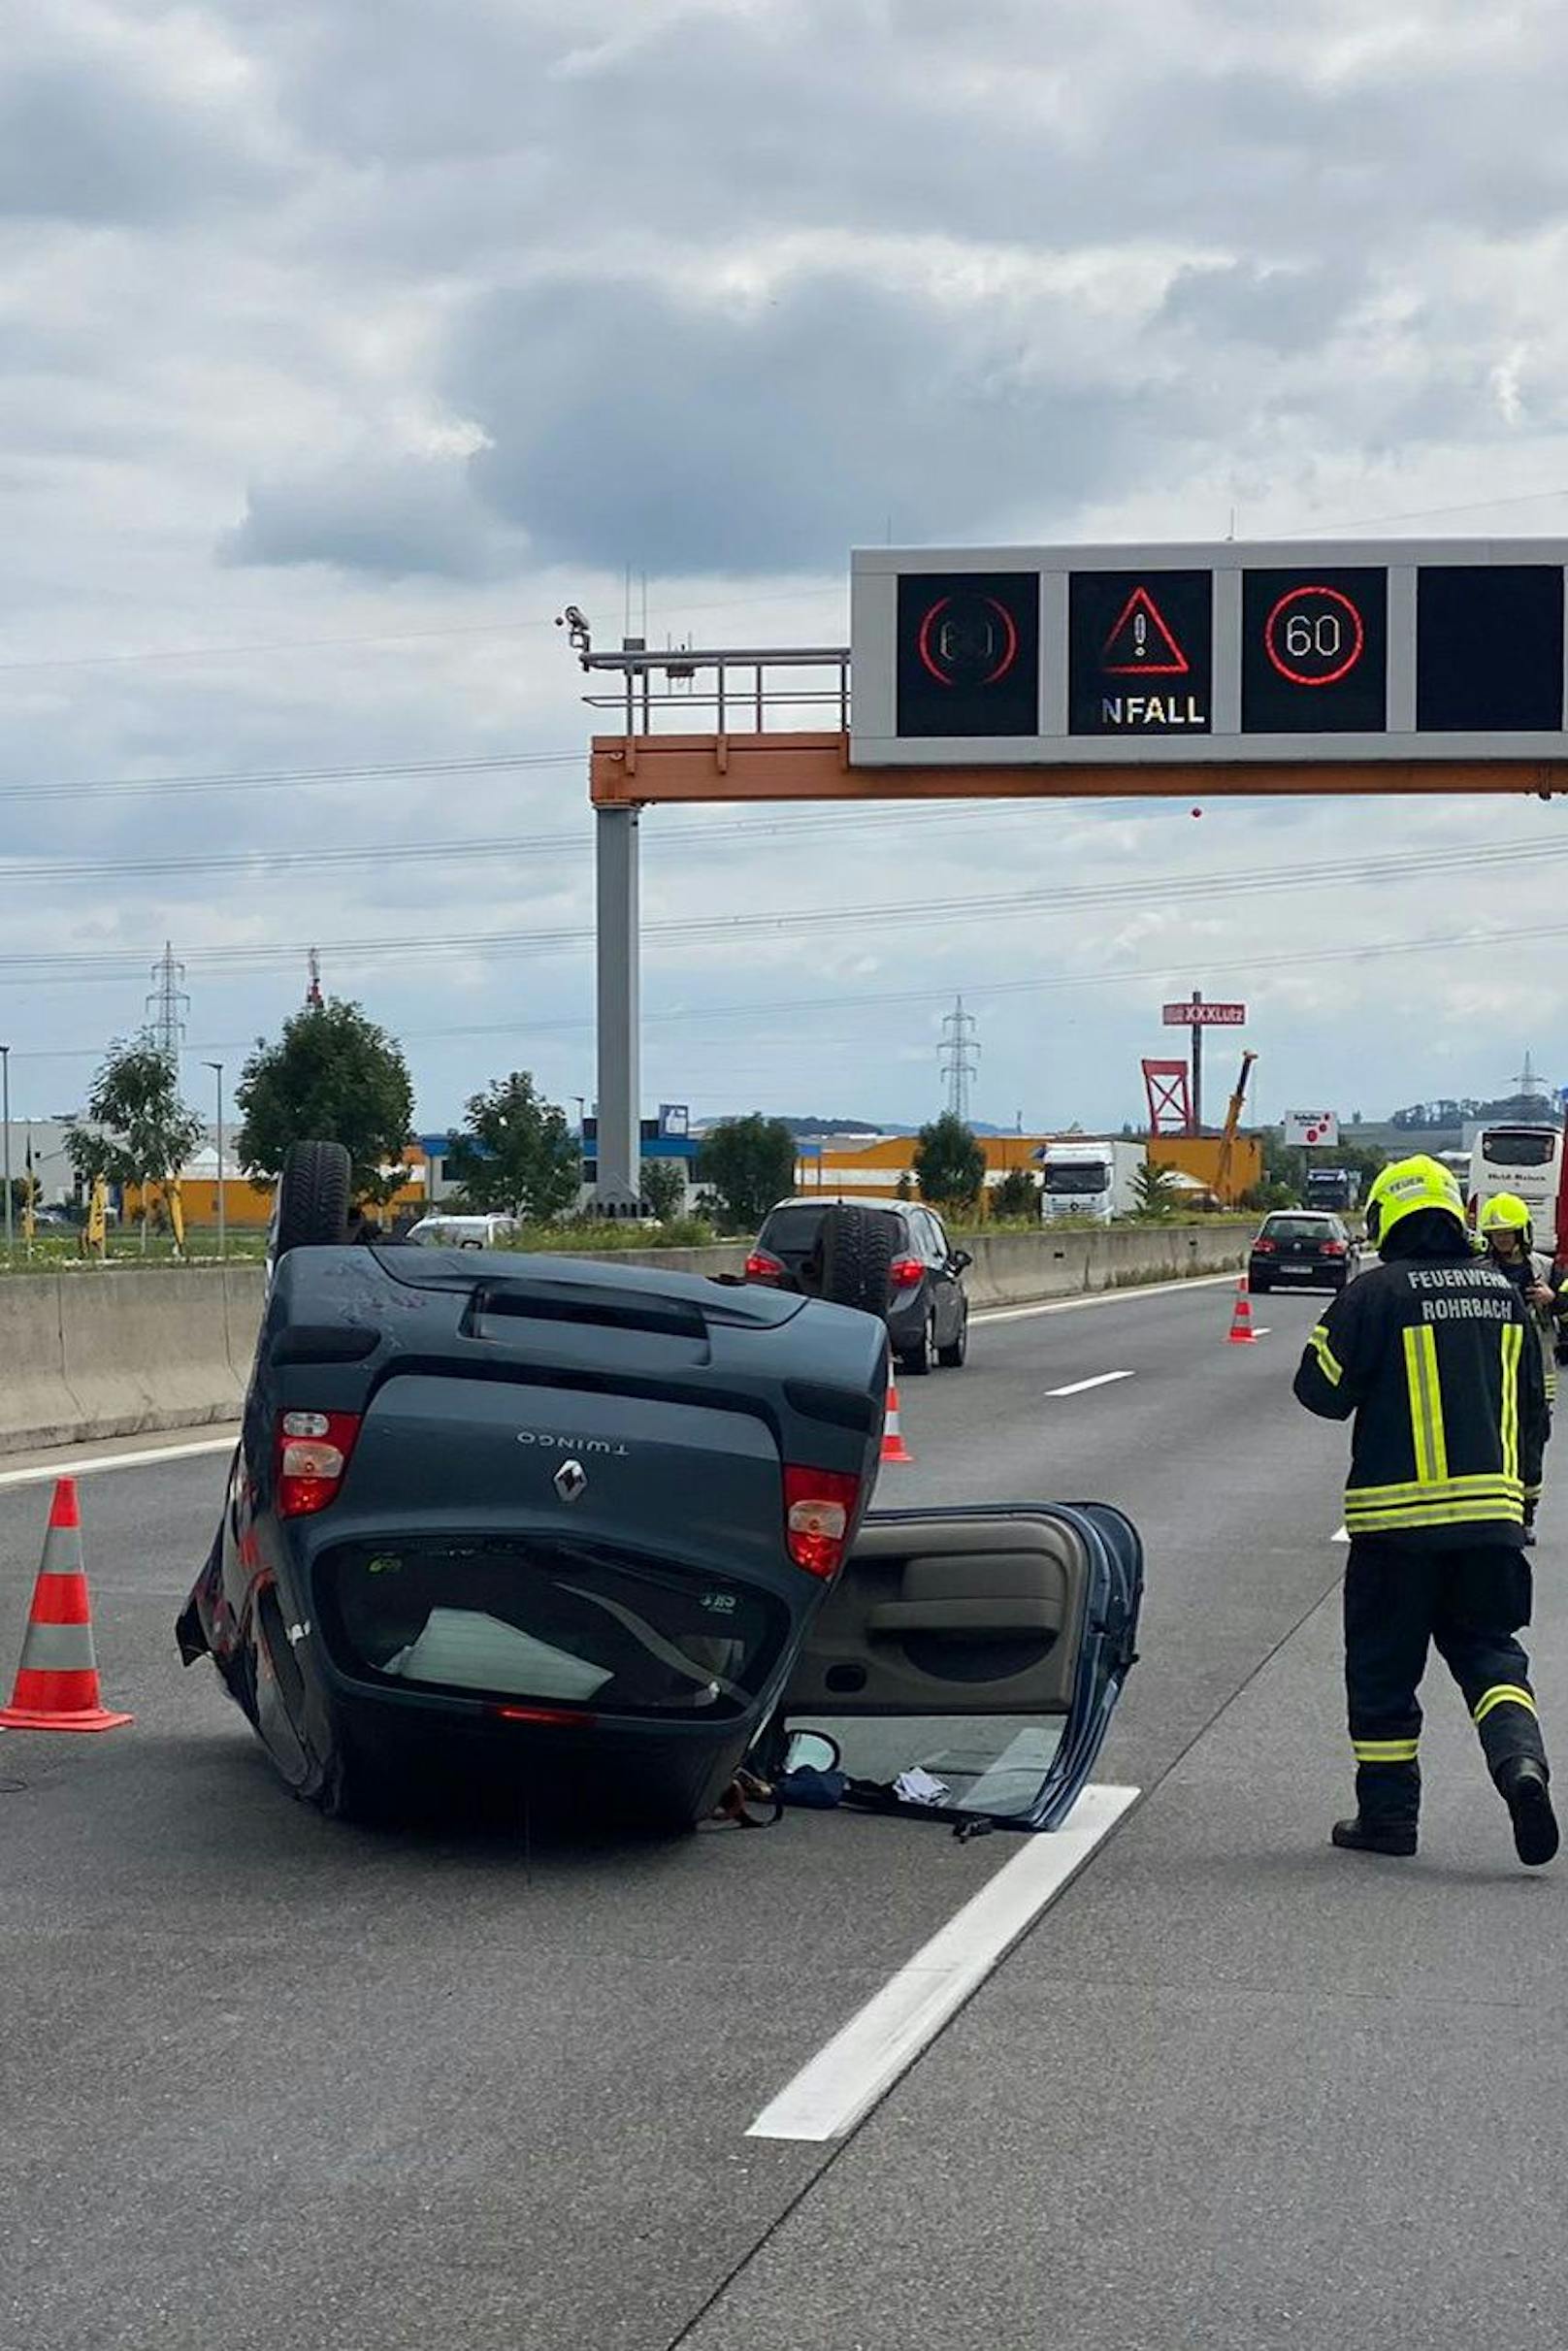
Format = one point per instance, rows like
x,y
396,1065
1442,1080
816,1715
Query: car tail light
x,y
553,1717
313,1449
818,1506
761,1267
904,1272
1264,1249
1333,1248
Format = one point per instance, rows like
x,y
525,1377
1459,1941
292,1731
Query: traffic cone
x,y
57,1680
894,1448
1242,1333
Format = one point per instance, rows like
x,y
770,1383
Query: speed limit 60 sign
x,y
1312,652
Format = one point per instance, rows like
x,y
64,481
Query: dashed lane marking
x,y
861,2064
1079,1388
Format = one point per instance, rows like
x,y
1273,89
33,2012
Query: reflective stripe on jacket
x,y
1436,1359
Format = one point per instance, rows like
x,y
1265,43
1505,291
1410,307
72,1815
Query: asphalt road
x,y
270,2082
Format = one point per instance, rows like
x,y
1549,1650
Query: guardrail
x,y
90,1357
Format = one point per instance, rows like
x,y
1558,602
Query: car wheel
x,y
953,1357
1258,1285
312,1198
857,1251
920,1359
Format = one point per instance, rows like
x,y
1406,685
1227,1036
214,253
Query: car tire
x,y
953,1357
857,1251
1259,1285
312,1198
922,1358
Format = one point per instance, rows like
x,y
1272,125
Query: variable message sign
x,y
1378,650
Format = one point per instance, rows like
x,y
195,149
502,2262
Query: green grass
x,y
58,1253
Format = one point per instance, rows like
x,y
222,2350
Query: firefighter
x,y
1510,1244
1433,1356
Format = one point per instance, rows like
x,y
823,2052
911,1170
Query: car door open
x,y
985,1649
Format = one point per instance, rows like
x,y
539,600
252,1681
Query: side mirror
x,y
960,1261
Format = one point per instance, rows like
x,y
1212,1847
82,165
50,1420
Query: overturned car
x,y
597,1534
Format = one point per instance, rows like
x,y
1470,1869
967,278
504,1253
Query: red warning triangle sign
x,y
1141,644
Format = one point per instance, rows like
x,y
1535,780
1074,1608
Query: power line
x,y
1212,887
269,779
393,636
777,1011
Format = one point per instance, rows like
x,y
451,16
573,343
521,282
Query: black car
x,y
892,1260
1301,1249
592,1534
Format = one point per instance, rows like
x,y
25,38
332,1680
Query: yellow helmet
x,y
1506,1212
1406,1187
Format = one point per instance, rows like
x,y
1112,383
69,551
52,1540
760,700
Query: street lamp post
x,y
5,1156
216,1068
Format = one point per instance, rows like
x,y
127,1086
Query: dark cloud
x,y
392,517
630,424
1284,309
87,143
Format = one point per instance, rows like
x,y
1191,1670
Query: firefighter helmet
x,y
1506,1212
1406,1187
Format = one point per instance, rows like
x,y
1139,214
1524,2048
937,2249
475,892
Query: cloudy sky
x,y
341,343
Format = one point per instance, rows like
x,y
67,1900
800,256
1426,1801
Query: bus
x,y
1524,1156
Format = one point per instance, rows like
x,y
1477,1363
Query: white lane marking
x,y
98,1462
861,2064
1130,1296
1343,1536
1261,1330
1079,1388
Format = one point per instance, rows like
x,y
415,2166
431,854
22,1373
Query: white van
x,y
462,1232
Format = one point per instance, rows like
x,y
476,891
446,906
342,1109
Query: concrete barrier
x,y
88,1354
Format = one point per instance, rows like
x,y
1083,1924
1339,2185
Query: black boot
x,y
1395,1838
1521,1782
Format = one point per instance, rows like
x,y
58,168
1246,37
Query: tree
x,y
516,1153
950,1163
664,1187
1154,1188
331,1077
141,1131
749,1163
1016,1194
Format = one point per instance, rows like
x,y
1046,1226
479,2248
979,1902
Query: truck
x,y
1332,1188
1089,1180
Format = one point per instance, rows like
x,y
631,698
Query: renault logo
x,y
570,1481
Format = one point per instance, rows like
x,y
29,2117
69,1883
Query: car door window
x,y
928,1234
985,1649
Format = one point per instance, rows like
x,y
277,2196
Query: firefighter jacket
x,y
1533,1270
1438,1361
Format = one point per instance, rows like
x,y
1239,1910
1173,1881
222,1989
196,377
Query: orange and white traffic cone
x,y
1241,1332
57,1680
894,1448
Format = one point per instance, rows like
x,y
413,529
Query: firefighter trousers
x,y
1470,1603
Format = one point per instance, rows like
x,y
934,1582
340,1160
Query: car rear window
x,y
551,1625
1301,1228
793,1229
